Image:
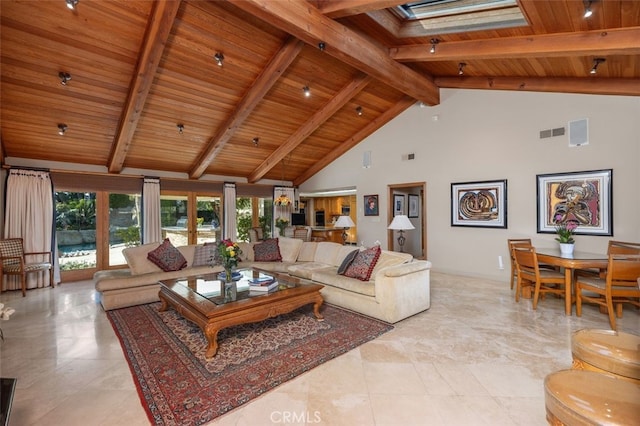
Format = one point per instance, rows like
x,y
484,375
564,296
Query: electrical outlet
x,y
500,263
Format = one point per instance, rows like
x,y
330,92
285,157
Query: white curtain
x,y
151,227
283,212
29,215
230,229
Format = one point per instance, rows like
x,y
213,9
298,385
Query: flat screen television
x,y
298,219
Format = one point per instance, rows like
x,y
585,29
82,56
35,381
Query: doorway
x,y
409,199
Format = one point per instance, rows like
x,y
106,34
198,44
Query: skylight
x,y
440,16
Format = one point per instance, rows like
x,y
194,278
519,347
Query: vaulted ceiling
x,y
138,69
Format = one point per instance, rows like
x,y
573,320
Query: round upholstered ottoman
x,y
607,351
574,397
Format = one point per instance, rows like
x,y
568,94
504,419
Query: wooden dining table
x,y
571,262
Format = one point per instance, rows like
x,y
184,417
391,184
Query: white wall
x,y
490,135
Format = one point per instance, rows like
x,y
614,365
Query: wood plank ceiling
x,y
140,68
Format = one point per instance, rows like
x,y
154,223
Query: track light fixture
x,y
306,91
359,110
434,41
64,77
256,141
219,57
71,4
587,10
596,62
321,46
180,127
461,66
62,128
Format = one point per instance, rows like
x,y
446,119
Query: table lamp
x,y
344,222
401,223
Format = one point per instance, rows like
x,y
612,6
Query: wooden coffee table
x,y
201,299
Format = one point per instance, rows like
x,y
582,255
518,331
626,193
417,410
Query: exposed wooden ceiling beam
x,y
587,85
161,19
267,78
355,139
316,120
618,41
341,8
304,21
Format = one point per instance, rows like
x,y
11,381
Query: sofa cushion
x,y
247,251
327,252
137,261
267,251
328,277
347,261
362,266
390,258
306,269
167,257
289,248
307,251
207,254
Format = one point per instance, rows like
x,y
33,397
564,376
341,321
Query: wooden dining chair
x,y
524,242
511,243
530,273
620,286
14,261
614,247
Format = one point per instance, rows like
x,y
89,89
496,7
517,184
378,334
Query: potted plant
x,y
565,230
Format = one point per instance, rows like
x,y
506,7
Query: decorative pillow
x,y
363,264
267,251
167,257
347,261
207,255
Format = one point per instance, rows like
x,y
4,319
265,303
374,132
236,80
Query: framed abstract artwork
x,y
479,204
371,205
414,208
398,204
584,198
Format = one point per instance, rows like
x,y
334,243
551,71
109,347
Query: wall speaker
x,y
366,159
579,132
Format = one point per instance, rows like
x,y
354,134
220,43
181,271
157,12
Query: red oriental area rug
x,y
177,385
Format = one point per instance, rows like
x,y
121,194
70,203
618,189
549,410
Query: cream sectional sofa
x,y
138,284
398,288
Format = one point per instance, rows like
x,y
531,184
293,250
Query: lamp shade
x,y
401,223
344,222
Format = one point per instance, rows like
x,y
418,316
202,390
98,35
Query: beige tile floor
x,y
475,358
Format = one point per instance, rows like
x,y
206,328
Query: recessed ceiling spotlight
x,y
461,66
306,91
321,46
256,141
434,41
587,10
596,62
64,77
62,128
219,57
71,4
359,110
180,127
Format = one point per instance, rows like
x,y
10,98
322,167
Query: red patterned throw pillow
x,y
363,264
267,251
167,257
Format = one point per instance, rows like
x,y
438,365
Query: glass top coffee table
x,y
214,305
